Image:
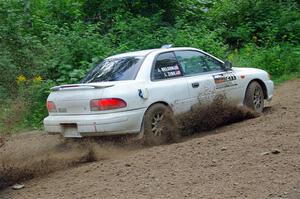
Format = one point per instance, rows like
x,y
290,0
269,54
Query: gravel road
x,y
255,158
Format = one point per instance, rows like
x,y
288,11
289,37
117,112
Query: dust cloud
x,y
35,154
32,155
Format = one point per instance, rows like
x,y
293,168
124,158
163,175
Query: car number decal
x,y
224,80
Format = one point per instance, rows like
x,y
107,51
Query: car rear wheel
x,y
158,124
254,98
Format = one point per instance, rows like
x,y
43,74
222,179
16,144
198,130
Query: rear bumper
x,y
270,89
96,125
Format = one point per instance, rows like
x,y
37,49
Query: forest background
x,y
44,43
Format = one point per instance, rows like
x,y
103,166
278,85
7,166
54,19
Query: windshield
x,y
117,69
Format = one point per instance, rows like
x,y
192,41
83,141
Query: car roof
x,y
143,53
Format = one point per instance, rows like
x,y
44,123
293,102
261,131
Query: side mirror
x,y
227,65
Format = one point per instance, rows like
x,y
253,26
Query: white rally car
x,y
130,93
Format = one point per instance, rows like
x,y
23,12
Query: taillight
x,y
51,106
107,104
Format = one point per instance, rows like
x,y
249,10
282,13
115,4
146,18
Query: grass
x,y
286,77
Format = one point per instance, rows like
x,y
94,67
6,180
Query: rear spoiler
x,y
78,86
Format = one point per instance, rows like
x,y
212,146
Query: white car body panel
x,y
75,119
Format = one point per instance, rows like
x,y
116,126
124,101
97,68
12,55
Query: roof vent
x,y
166,46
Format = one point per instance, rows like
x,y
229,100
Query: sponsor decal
x,y
224,80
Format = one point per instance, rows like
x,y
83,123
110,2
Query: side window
x,y
194,62
166,66
213,64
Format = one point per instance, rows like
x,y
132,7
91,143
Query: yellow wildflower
x,y
37,79
21,79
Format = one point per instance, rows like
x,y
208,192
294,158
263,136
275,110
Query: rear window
x,y
124,68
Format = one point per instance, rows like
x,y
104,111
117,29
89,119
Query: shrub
x,y
280,60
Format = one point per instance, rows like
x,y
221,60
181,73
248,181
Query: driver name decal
x,y
170,71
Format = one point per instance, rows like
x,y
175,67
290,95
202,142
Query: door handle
x,y
195,85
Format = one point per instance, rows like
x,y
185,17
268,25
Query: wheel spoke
x,y
257,98
157,128
161,117
159,132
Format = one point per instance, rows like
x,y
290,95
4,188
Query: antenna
x,y
166,46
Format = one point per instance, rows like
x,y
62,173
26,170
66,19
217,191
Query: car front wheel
x,y
254,98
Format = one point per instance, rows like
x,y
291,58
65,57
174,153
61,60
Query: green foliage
x,y
280,60
259,21
45,43
35,97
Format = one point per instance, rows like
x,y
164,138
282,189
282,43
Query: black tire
x,y
254,98
158,125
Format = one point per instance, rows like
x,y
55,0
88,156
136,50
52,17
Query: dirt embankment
x,y
255,158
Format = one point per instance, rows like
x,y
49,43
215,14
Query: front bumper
x,y
270,89
96,125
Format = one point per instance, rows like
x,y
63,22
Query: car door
x,y
201,84
226,81
168,84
